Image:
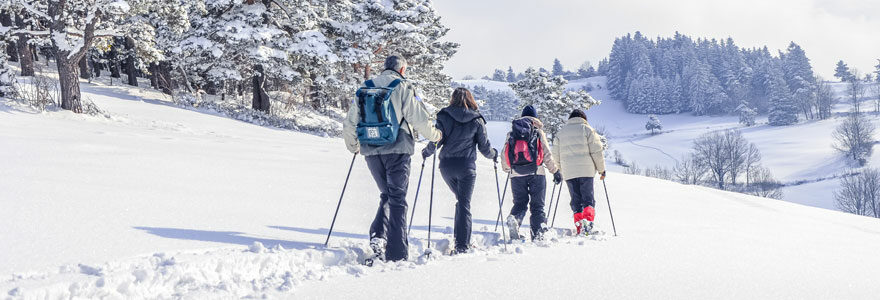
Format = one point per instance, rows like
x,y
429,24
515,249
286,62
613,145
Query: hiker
x,y
525,152
578,149
387,144
464,131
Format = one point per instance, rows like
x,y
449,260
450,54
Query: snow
x,y
159,201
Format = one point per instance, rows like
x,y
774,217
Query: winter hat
x,y
529,111
578,113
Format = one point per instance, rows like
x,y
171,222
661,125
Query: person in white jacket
x,y
579,151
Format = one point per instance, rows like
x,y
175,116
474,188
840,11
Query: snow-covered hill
x,y
158,201
801,155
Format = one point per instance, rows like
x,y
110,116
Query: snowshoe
x,y
513,227
585,228
539,236
378,247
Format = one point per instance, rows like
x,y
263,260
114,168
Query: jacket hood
x,y
534,120
461,114
577,120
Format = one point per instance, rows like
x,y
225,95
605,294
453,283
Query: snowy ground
x,y
801,156
163,202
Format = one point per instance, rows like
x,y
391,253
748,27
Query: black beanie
x,y
529,111
578,113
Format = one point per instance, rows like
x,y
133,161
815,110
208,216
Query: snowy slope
x,y
160,201
801,156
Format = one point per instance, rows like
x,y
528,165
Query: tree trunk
x,y
24,50
67,77
96,68
130,62
35,52
154,75
313,92
261,98
11,49
113,59
84,71
164,81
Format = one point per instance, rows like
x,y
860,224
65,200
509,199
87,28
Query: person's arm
x,y
549,163
417,115
432,146
596,151
349,128
556,155
482,141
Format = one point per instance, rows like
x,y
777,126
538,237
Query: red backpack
x,y
524,152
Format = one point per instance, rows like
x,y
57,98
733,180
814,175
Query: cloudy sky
x,y
520,33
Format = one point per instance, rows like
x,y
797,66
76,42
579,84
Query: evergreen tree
x,y
557,68
511,76
842,71
547,94
877,71
499,75
783,110
7,76
746,115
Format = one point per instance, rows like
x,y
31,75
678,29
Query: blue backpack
x,y
378,123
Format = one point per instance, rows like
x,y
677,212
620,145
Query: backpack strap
x,y
394,83
369,84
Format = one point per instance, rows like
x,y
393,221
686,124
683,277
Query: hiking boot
x,y
577,222
585,227
513,227
378,246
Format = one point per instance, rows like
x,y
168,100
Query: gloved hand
x,y
495,155
603,175
557,177
428,151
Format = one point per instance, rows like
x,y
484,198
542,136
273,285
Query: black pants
x,y
528,193
391,172
581,190
460,178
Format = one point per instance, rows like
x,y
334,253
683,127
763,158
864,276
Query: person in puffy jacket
x,y
529,188
578,149
464,131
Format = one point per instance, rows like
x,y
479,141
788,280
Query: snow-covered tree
x,y
558,70
653,124
783,110
746,115
499,75
586,70
547,94
860,194
7,76
73,26
877,71
511,76
842,71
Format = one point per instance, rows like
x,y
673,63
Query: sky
x,y
522,33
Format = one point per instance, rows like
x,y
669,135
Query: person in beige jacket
x,y
527,182
390,164
579,151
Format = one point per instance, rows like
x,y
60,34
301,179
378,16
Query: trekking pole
x,y
431,201
503,235
556,209
609,207
550,206
340,199
501,203
416,200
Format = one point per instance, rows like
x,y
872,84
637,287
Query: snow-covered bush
x,y
860,194
763,184
7,76
746,115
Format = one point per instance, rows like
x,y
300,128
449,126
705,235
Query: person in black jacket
x,y
464,131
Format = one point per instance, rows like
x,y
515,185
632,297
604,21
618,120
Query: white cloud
x,y
521,33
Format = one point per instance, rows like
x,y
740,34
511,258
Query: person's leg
x,y
589,201
537,188
519,187
378,228
397,168
452,177
463,209
574,190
